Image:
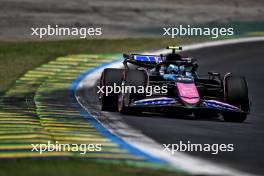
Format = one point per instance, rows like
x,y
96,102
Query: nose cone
x,y
188,93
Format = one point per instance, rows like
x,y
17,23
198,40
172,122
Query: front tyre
x,y
109,77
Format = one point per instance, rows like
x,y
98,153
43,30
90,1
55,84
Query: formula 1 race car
x,y
170,83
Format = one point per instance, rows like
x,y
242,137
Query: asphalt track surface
x,y
248,138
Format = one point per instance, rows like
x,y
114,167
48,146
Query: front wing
x,y
166,102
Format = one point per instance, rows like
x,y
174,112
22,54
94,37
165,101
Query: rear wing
x,y
143,60
147,58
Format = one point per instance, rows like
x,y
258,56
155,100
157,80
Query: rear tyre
x,y
137,79
237,95
110,77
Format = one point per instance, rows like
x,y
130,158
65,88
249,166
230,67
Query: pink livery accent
x,y
188,92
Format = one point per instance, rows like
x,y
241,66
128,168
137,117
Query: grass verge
x,y
18,57
76,167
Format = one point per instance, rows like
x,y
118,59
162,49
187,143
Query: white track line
x,y
213,43
191,164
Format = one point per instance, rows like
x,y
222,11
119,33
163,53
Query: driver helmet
x,y
172,69
182,68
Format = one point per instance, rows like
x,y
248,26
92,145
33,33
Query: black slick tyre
x,y
110,77
236,94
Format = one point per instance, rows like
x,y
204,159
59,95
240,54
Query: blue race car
x,y
170,84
